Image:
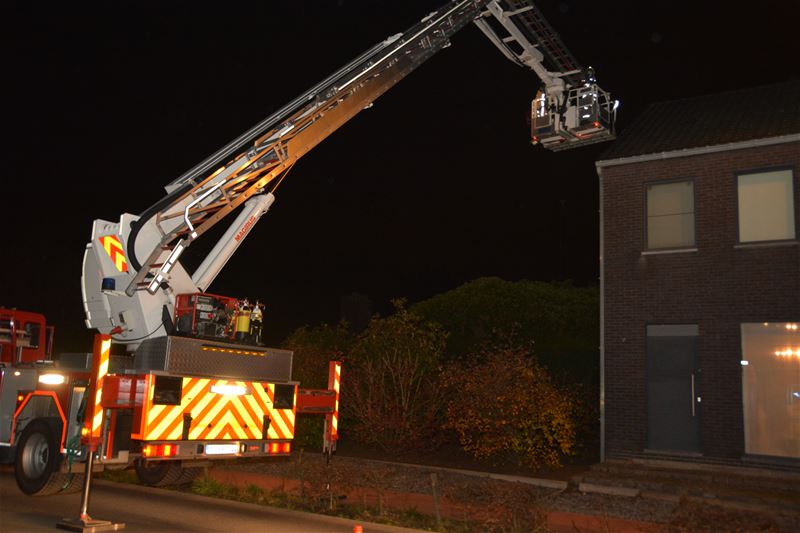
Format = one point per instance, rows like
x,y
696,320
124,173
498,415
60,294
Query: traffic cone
x,y
358,529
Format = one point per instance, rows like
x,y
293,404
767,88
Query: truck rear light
x,y
278,447
160,450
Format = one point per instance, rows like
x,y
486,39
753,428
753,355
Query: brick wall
x,y
717,287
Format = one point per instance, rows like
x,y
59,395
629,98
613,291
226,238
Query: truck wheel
x,y
188,475
164,473
37,460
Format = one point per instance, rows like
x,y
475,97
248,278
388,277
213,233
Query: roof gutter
x,y
753,143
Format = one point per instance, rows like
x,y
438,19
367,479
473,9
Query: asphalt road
x,y
145,509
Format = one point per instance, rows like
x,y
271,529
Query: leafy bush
x,y
313,348
562,319
562,322
392,398
502,403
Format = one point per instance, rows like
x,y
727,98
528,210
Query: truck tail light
x,y
279,447
160,450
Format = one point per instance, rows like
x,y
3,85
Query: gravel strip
x,y
479,493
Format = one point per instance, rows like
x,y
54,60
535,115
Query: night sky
x,y
433,186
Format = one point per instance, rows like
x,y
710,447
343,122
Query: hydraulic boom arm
x,y
249,168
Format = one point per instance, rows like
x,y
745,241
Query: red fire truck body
x,y
166,416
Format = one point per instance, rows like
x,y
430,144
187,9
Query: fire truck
x,y
188,380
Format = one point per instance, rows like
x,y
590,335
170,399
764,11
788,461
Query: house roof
x,y
715,119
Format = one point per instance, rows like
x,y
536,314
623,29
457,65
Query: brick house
x,y
700,281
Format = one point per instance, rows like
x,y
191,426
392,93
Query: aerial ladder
x,y
195,386
569,110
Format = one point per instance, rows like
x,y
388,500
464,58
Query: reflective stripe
x,y
113,247
102,370
337,378
218,416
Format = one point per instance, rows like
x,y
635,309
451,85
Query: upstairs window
x,y
670,215
766,206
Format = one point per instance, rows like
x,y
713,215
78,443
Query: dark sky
x,y
435,185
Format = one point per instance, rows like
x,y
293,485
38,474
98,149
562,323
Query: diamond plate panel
x,y
200,357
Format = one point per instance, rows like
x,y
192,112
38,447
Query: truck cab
x,y
24,337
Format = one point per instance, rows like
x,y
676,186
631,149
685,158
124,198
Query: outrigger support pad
x,y
85,523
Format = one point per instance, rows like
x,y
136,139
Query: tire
x,y
38,458
188,475
164,473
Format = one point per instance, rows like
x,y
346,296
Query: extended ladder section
x,y
570,110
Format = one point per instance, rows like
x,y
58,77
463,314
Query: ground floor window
x,y
771,388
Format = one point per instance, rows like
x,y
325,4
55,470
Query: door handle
x,y
693,410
